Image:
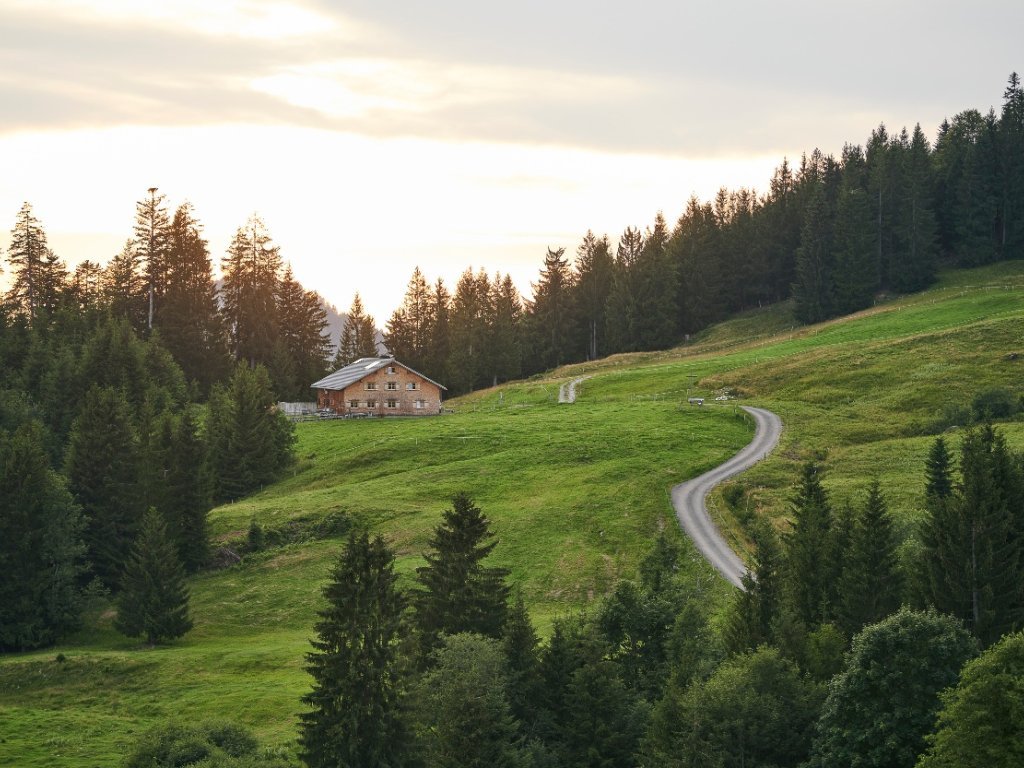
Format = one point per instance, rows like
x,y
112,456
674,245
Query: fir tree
x,y
467,332
154,599
549,314
302,319
27,254
755,608
521,653
914,269
250,441
871,583
102,468
251,271
972,540
856,275
457,592
592,284
623,308
504,330
124,287
190,321
359,336
355,716
810,571
152,242
407,335
40,545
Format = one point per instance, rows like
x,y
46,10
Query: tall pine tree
x,y
355,716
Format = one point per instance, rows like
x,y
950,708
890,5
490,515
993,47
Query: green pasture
x,y
575,494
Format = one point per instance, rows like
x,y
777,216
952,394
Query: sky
x,y
374,137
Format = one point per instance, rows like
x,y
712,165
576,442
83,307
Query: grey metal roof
x,y
359,369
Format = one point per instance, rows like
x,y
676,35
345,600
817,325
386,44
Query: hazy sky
x,y
376,136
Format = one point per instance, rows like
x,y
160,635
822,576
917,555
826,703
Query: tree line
x,y
835,653
831,233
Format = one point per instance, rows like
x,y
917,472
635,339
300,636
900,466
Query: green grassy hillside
x,y
574,492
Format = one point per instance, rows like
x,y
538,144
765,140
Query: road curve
x,y
689,498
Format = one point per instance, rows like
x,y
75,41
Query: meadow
x,y
575,494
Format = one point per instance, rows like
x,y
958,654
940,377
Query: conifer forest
x,y
139,394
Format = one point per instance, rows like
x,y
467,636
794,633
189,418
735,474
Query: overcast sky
x,y
376,136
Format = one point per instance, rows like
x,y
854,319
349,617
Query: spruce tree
x,y
971,539
457,592
250,441
124,288
152,242
814,287
358,338
504,330
755,608
871,582
188,497
302,320
190,322
40,545
468,332
549,314
355,717
623,307
522,655
102,467
153,601
26,255
591,286
251,271
810,570
856,270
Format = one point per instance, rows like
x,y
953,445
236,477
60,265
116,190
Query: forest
x,y
136,395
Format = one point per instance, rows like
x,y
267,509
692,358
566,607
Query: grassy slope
x,y
574,492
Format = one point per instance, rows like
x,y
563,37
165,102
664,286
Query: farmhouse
x,y
378,386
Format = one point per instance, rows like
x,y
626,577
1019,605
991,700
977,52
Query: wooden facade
x,y
387,388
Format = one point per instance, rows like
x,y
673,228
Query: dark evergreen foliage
x,y
250,441
756,709
811,569
458,593
871,583
153,601
40,544
102,466
355,716
972,538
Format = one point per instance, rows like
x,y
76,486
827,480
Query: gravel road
x,y
567,392
689,498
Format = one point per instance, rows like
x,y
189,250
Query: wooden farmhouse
x,y
378,386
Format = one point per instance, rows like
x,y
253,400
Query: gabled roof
x,y
360,369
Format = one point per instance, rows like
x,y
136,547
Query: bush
x,y
209,745
995,403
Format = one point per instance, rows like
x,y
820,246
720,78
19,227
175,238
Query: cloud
x,y
674,78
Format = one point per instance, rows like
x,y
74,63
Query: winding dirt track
x,y
689,498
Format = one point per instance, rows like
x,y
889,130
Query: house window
x,y
371,403
371,385
411,385
391,385
353,403
392,403
392,369
421,404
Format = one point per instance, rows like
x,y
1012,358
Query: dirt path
x,y
567,392
689,498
